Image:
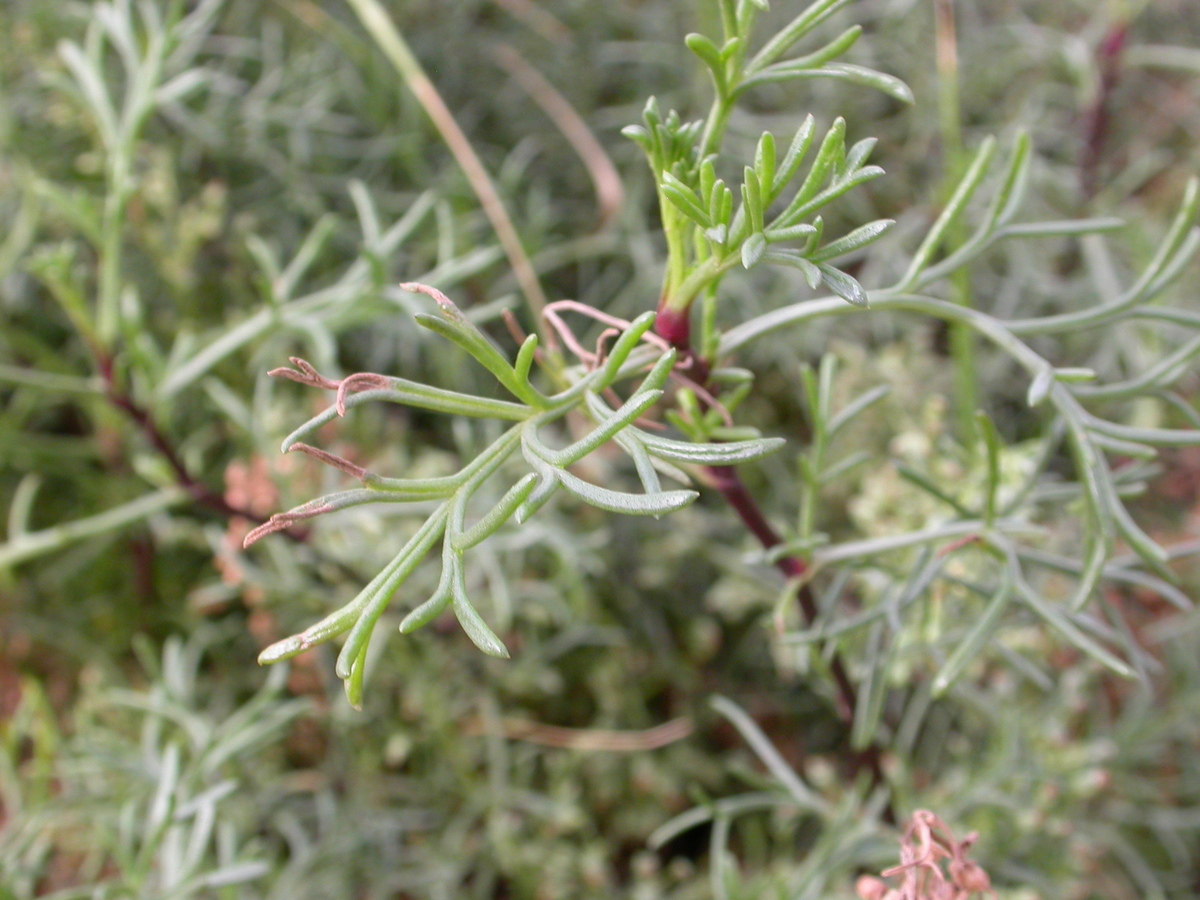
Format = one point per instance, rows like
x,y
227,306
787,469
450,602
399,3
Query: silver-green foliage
x,y
915,611
1009,527
1000,535
150,793
693,199
451,495
136,66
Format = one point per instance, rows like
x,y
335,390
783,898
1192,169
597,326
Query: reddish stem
x,y
1096,122
675,327
145,423
731,487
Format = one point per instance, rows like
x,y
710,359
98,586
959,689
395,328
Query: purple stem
x,y
145,423
730,486
1096,121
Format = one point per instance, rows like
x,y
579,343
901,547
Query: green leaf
x,y
860,75
731,47
796,260
704,48
795,155
56,268
642,138
1012,190
843,466
1061,622
284,285
1076,374
1147,549
791,233
844,184
411,393
543,490
620,502
472,623
809,19
847,414
685,200
764,166
872,690
32,544
456,327
779,768
835,48
377,595
645,465
747,9
1062,228
709,454
830,153
752,200
621,418
1039,388
707,179
353,683
753,249
94,91
525,358
432,608
855,240
620,351
856,156
1174,243
80,208
347,617
721,203
843,285
993,448
973,644
963,193
497,516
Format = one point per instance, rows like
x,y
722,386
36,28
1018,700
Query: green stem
x,y
729,20
715,125
675,231
961,337
108,291
697,280
810,491
49,381
38,543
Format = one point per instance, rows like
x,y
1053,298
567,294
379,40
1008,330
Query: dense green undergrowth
x,y
980,494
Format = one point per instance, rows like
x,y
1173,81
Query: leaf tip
x,y
753,249
416,287
281,650
1039,389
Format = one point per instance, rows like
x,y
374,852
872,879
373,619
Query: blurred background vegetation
x,y
261,200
